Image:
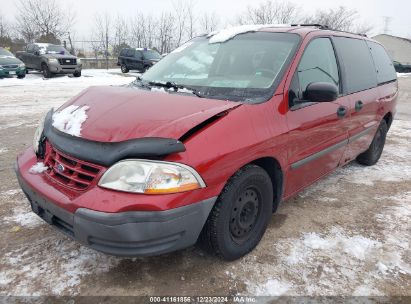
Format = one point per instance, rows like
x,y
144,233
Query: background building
x,y
398,48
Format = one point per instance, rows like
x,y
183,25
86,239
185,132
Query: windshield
x,y
151,55
54,49
246,68
5,53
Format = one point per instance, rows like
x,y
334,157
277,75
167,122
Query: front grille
x,y
68,171
10,66
68,61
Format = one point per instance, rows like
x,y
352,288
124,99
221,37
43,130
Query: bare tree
x,y
191,18
137,28
165,32
4,27
43,18
270,12
102,33
150,33
209,22
180,16
120,34
341,18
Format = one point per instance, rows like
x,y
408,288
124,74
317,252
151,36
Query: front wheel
x,y
77,74
21,76
373,154
46,71
241,214
124,69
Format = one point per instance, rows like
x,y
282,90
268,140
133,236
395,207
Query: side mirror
x,y
321,92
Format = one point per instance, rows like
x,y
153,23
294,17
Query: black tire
x,y
124,69
21,76
27,71
240,215
46,71
77,74
373,154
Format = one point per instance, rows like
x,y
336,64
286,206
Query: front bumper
x,y
57,68
132,233
12,72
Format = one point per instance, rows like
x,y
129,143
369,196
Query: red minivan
x,y
206,144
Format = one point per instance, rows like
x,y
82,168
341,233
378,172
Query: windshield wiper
x,y
139,82
176,87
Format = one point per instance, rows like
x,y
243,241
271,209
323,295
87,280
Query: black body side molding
x,y
108,153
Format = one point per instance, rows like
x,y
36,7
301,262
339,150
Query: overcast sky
x,y
371,11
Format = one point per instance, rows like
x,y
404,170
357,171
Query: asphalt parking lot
x,y
348,234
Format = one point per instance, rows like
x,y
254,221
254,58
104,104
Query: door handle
x,y
341,112
358,105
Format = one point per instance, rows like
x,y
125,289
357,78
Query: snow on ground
x,y
337,261
63,262
26,107
404,75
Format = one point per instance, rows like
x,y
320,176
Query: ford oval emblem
x,y
60,168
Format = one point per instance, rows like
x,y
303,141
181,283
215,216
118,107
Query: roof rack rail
x,y
326,27
320,26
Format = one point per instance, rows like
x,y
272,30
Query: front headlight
x,y
22,66
78,61
37,134
53,60
151,177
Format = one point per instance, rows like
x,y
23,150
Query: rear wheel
x,y
45,70
124,68
241,214
373,154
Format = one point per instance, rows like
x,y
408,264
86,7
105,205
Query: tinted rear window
x,y
358,64
123,52
383,63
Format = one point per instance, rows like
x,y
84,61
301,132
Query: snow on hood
x,y
117,114
231,32
70,119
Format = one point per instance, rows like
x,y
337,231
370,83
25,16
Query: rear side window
x,y
358,65
130,52
318,64
383,63
123,52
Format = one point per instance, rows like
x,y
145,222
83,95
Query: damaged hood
x,y
116,114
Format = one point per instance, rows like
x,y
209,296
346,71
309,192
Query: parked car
x,y
402,68
10,65
139,59
207,143
50,59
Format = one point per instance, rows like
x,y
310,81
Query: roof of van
x,y
302,30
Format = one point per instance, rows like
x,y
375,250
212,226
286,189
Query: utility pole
x,y
106,48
